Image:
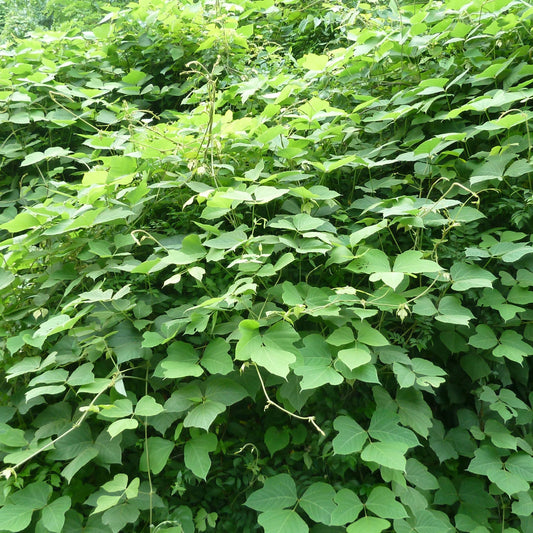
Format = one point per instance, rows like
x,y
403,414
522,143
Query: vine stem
x,y
269,402
8,472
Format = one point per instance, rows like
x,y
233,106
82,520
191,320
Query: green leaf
x,y
486,460
276,439
484,338
203,415
78,462
228,240
313,62
410,262
197,451
315,365
414,412
33,158
508,482
370,260
53,515
500,435
341,337
159,451
278,492
32,497
318,502
147,406
521,464
382,502
15,517
389,454
356,356
351,437
282,521
182,361
368,524
384,427
512,346
6,278
452,312
21,222
364,233
466,277
368,335
269,350
224,390
119,515
216,358
348,507
12,437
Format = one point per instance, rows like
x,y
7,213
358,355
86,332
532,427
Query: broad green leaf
x,y
182,361
430,521
368,335
351,437
314,62
41,391
315,365
369,260
216,358
118,409
119,515
32,497
53,515
341,336
364,233
15,517
484,338
33,158
500,435
508,482
418,475
486,460
147,406
197,450
78,462
512,346
466,277
117,484
225,390
14,438
204,414
413,411
452,312
278,492
228,240
348,507
521,464
270,349
157,450
368,524
355,356
318,502
524,505
382,502
276,439
411,262
282,521
106,501
384,427
389,454
6,278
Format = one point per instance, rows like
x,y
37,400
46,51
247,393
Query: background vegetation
x,y
267,265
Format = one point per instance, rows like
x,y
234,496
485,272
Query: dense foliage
x,y
267,265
